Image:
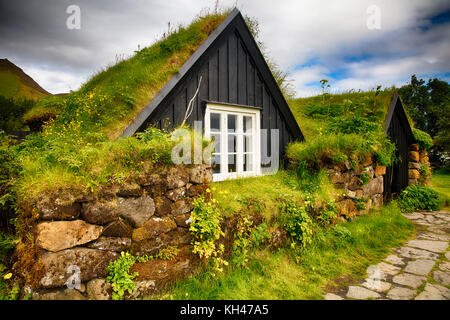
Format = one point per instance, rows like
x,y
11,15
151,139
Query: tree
x,y
428,104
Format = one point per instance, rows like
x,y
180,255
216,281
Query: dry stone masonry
x,y
363,186
92,230
418,159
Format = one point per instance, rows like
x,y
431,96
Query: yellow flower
x,y
207,190
7,276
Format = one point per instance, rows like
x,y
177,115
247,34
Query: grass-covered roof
x,y
111,99
346,126
78,147
320,113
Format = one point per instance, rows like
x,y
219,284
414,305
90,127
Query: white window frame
x,y
224,111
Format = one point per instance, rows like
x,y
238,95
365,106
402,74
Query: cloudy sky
x,y
355,44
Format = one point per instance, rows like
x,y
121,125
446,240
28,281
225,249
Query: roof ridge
x,y
170,85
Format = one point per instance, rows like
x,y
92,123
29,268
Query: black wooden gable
x,y
233,71
399,131
396,116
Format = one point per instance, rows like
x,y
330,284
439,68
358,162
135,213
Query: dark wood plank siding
x,y
213,77
233,68
396,177
229,75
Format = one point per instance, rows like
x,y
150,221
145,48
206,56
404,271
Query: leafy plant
x,y
206,230
246,237
328,214
360,203
425,173
119,277
297,224
418,198
423,139
364,178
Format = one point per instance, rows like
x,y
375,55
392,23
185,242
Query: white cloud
x,y
54,81
295,33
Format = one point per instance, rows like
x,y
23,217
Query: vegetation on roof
x,y
112,98
78,146
340,127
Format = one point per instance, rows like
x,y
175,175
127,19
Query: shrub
x,y
425,173
423,139
328,214
246,237
297,224
418,198
206,230
9,172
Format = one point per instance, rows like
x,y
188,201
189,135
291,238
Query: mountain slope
x,y
14,83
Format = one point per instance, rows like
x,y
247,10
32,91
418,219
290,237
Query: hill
x,y
14,83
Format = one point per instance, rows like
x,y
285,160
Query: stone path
x,y
420,270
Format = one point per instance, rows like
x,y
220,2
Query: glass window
x,y
215,122
234,128
232,123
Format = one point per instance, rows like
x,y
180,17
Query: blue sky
x,y
310,39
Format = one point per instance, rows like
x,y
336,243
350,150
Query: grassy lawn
x,y
237,195
338,257
441,183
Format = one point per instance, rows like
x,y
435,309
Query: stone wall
x,y
91,230
363,187
418,159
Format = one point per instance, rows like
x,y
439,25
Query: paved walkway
x,y
420,270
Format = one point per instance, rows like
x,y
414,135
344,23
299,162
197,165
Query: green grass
x,y
441,183
315,117
347,126
113,97
265,193
11,86
333,259
78,147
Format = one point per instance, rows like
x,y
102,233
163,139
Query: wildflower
x,y
207,190
7,276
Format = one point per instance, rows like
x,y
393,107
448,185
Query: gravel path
x,y
420,270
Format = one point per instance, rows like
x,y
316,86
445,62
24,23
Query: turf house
x,y
237,98
102,211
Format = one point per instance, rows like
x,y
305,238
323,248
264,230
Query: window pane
x,y
215,163
215,122
247,124
232,123
216,138
232,143
248,162
248,143
231,163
